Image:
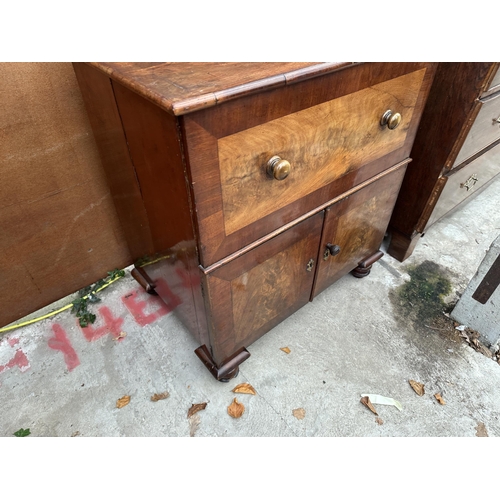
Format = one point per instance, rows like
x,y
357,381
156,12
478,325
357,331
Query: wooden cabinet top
x,y
182,88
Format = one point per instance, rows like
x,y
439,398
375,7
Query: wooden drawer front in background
x,y
328,131
486,129
253,293
466,182
494,86
357,225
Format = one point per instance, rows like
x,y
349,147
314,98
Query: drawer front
x,y
495,83
321,143
327,128
356,225
466,182
253,293
484,131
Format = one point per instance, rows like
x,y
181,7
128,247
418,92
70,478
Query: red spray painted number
x,y
19,359
111,325
137,302
60,342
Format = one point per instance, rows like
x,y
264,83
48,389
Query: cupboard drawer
x,y
484,131
357,225
328,131
321,143
253,293
466,182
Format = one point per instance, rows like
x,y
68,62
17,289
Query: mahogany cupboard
x,y
246,189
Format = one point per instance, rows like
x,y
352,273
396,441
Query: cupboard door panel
x,y
357,225
253,293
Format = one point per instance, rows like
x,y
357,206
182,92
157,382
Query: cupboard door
x,y
251,294
356,226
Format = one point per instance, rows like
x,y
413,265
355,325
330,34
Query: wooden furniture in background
x,y
456,152
59,231
246,189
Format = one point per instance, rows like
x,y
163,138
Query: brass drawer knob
x,y
392,120
278,168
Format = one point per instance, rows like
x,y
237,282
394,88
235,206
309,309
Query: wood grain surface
x,y
206,129
59,230
357,225
181,88
322,143
252,294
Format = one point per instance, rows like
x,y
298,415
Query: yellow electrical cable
x,y
53,313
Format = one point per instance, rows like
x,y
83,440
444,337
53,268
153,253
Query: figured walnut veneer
x,y
322,143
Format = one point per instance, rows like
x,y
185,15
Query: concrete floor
x,y
60,380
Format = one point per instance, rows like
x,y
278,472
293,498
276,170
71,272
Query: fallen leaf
x,y
196,408
377,399
366,401
439,398
120,336
123,402
299,413
157,397
379,421
194,423
417,387
244,389
285,349
465,336
481,430
236,409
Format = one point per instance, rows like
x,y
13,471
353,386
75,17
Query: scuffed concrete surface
x,y
349,341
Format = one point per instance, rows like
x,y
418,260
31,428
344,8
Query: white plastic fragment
x,y
460,328
382,400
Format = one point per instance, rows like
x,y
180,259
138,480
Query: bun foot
x,y
365,266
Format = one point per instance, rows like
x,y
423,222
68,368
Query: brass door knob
x,y
392,120
278,168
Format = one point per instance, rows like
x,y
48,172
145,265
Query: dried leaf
x,y
377,399
194,423
481,430
299,413
379,421
366,401
236,409
123,402
439,398
196,408
465,336
244,389
285,349
162,395
417,387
